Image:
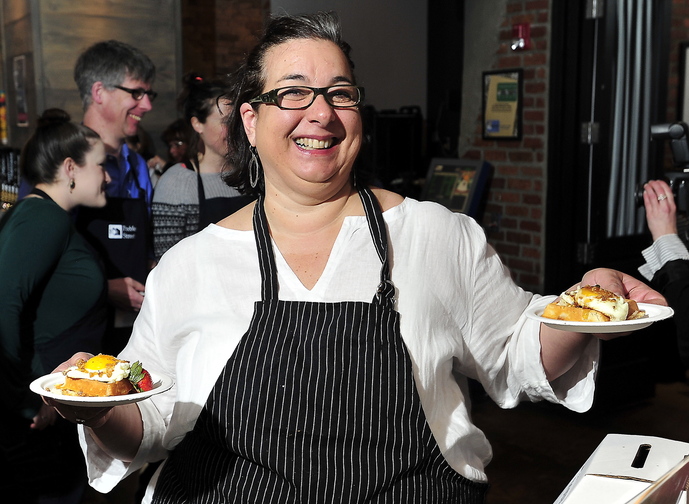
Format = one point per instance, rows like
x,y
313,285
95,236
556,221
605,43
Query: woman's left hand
x,y
624,285
561,349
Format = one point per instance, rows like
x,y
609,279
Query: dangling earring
x,y
354,178
72,185
253,167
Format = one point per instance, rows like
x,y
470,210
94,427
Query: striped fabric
x,y
317,405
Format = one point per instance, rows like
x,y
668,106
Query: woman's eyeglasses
x,y
301,97
138,93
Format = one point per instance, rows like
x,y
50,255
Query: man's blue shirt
x,y
129,174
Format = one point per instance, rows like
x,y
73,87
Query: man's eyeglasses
x,y
301,97
138,93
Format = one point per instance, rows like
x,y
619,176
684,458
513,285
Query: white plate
x,y
654,313
45,386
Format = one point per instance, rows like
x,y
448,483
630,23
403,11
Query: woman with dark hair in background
x,y
177,136
52,303
186,201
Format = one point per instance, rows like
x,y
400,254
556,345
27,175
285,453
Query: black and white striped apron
x,y
316,405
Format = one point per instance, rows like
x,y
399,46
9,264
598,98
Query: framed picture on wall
x,y
683,91
19,78
502,104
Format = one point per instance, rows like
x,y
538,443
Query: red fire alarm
x,y
521,36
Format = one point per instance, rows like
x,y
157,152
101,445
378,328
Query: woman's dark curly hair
x,y
249,81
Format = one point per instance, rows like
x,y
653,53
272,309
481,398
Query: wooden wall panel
x,y
153,26
216,35
62,29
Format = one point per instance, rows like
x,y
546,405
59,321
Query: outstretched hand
x,y
624,285
91,417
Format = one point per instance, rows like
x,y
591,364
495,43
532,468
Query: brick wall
x,y
514,217
237,24
198,28
218,34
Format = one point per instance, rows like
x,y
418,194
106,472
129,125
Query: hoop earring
x,y
253,167
72,185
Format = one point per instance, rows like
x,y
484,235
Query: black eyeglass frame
x,y
271,97
138,93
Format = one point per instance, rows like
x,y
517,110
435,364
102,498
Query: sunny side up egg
x,y
104,368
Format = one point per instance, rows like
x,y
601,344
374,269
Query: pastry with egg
x,y
592,303
103,376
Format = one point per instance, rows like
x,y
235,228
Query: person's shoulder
x,y
241,220
387,199
39,207
180,170
40,217
177,185
431,217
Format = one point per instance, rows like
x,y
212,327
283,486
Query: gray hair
x,y
110,62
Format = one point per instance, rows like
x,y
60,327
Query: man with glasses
x,y
114,81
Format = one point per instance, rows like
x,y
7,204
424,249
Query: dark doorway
x,y
445,64
582,138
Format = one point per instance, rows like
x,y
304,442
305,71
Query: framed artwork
x,y
458,184
19,77
683,91
502,104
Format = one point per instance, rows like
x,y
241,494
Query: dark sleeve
x,y
30,247
672,281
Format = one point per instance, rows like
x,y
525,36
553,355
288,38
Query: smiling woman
x,y
191,195
294,84
301,139
321,339
52,303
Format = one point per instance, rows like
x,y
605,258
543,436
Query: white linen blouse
x,y
461,316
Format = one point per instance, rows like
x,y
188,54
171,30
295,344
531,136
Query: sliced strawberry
x,y
140,378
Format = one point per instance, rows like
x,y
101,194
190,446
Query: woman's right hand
x,y
90,417
117,430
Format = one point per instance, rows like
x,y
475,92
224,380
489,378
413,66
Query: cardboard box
x,y
631,469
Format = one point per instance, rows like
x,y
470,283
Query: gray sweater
x,y
176,204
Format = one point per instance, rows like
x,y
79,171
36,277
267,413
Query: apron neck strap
x,y
385,294
202,199
266,258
